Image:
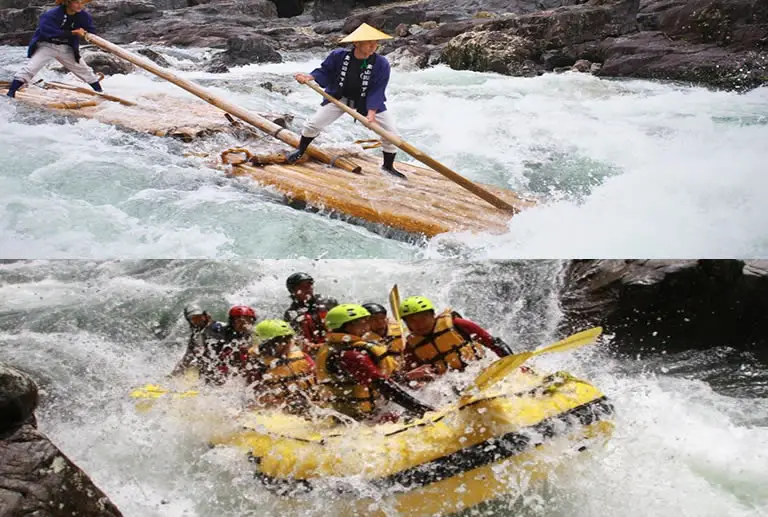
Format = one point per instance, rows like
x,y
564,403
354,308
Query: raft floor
x,y
427,203
158,114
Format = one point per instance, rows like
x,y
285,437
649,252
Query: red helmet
x,y
241,310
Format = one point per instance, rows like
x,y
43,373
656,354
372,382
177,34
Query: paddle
x,y
506,365
419,155
394,303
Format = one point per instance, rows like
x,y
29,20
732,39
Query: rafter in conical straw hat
x,y
365,33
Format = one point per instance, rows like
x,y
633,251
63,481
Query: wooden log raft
x,y
426,204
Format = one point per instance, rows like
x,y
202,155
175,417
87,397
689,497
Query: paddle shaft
x,y
261,123
419,155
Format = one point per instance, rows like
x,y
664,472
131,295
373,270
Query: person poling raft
x,y
358,78
58,37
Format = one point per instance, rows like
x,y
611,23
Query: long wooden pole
x,y
64,86
419,155
262,123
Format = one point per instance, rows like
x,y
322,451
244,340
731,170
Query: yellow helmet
x,y
365,33
270,329
415,305
341,314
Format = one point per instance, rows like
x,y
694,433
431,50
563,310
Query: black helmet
x,y
297,278
375,308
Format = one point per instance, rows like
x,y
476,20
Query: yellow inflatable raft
x,y
465,454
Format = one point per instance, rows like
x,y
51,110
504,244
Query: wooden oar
x,y
506,365
257,121
419,155
64,86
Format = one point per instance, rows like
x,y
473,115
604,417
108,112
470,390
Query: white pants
x,y
328,114
64,54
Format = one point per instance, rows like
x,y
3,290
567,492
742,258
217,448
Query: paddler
x,y
198,320
444,341
282,375
357,372
58,37
358,77
388,332
307,311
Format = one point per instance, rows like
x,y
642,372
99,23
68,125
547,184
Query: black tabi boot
x,y
298,153
13,88
389,165
96,86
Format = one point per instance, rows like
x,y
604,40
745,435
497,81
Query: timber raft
x,y
426,203
429,202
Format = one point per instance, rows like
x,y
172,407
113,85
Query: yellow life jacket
x,y
347,395
393,341
286,379
445,348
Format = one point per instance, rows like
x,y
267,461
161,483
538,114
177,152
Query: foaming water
x,y
90,332
620,168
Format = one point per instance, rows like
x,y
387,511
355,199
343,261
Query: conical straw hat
x,y
365,33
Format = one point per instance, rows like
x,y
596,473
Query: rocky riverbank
x,y
712,42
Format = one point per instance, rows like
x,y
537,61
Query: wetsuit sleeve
x,y
309,360
360,367
476,332
328,69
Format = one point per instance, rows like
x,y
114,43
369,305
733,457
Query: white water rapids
x,y
88,332
622,168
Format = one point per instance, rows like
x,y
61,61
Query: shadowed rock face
x,y
722,43
670,305
36,479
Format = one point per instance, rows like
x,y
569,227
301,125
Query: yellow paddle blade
x,y
150,391
506,365
394,303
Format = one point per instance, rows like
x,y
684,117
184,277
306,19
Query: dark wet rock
x,y
107,64
328,27
244,50
117,12
410,58
18,399
653,55
153,56
19,20
36,479
282,90
670,305
289,8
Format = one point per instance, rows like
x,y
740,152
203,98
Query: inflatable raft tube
x,y
453,459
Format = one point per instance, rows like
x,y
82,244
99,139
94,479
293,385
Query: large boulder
x,y
515,45
36,479
491,51
670,305
653,55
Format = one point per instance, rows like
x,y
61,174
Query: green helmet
x,y
415,305
341,314
270,329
